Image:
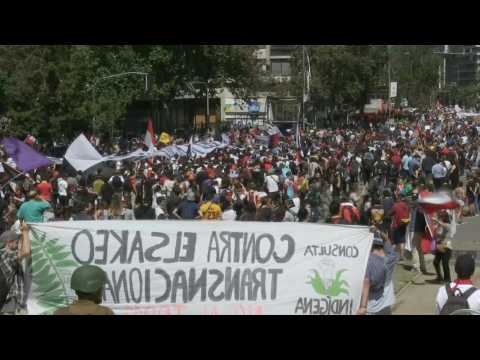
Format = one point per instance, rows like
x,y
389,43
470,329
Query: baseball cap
x,y
7,236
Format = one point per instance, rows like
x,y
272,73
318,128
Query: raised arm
x,y
25,248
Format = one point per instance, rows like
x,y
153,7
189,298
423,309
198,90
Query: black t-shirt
x,y
388,204
107,192
82,217
144,213
427,164
201,177
172,202
420,222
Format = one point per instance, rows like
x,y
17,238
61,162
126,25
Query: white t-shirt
x,y
272,183
229,215
62,187
473,300
448,165
388,299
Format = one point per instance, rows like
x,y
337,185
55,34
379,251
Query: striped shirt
x,y
13,272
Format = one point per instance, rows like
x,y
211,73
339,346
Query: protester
x,y
187,209
14,248
443,252
378,294
461,294
45,190
210,210
88,282
34,209
400,219
351,175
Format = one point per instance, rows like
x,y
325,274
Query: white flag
x,y
82,155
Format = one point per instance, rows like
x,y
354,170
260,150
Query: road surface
x,y
420,299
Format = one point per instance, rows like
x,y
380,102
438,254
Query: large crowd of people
x,y
368,175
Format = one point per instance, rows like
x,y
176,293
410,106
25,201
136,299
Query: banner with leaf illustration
x,y
189,267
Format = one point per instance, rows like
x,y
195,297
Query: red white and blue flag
x,y
436,202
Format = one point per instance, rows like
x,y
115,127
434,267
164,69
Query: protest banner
x,y
168,267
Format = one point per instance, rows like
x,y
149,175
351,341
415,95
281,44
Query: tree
x,y
56,90
415,68
343,76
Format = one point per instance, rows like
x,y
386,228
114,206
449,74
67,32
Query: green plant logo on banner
x,y
49,260
329,287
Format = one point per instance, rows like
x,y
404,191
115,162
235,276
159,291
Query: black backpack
x,y
455,303
117,182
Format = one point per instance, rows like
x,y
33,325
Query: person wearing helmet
x,y
88,282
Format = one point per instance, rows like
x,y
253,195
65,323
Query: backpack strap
x,y
466,294
469,292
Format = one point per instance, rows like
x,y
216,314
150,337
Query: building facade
x,y
188,113
278,61
461,65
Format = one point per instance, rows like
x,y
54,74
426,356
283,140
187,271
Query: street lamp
x,y
97,82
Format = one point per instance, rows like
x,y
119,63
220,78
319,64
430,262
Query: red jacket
x,y
45,191
400,214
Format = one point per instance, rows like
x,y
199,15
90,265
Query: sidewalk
x,y
420,299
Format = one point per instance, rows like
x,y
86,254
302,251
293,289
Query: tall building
x,y
278,67
278,60
461,64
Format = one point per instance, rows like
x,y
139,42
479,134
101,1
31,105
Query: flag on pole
x,y
308,76
436,202
25,157
190,145
298,142
150,138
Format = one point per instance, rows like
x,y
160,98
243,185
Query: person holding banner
x,y
14,248
378,295
34,209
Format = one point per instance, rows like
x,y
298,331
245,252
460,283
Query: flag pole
x,y
12,179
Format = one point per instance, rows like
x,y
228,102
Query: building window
x,y
281,68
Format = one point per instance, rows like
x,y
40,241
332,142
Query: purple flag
x,y
25,157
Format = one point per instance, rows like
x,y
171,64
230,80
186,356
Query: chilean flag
x,y
150,138
436,202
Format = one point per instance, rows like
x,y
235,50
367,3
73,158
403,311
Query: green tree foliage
x,y
343,76
416,69
55,90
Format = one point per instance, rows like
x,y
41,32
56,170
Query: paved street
x,y
420,299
